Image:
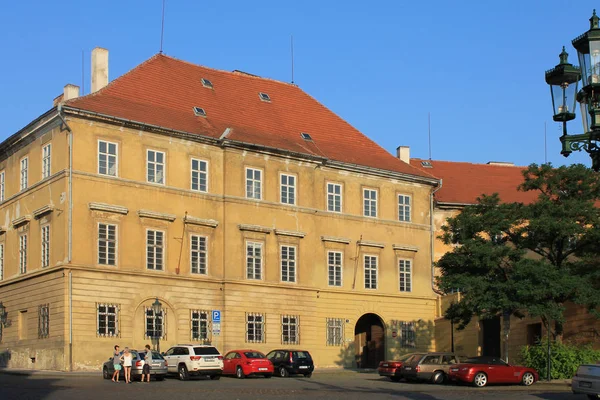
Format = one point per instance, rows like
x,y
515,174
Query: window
x,y
199,112
107,319
289,329
264,97
46,162
334,197
1,261
23,254
199,175
155,324
206,83
253,260
107,158
334,266
200,329
370,272
403,208
407,330
255,328
43,321
198,254
107,244
253,183
288,189
405,274
288,263
335,332
370,202
2,186
156,167
24,167
154,250
45,246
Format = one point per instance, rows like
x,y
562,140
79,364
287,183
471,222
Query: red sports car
x,y
242,363
483,370
393,369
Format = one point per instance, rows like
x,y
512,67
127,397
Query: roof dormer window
x,y
305,136
200,112
264,97
206,83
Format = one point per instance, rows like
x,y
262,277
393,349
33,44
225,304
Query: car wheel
x,y
308,375
268,375
183,373
438,377
215,377
239,373
480,379
395,378
105,374
283,372
160,377
528,379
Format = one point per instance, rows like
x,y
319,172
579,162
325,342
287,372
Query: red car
x,y
483,370
243,363
393,369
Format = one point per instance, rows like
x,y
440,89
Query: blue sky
x,y
477,67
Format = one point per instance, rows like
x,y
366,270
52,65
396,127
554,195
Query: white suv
x,y
190,359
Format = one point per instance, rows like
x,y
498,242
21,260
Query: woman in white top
x,y
127,359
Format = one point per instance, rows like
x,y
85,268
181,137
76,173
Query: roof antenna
x,y
82,75
292,47
162,27
429,132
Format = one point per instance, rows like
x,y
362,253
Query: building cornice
x,y
156,215
405,247
367,243
211,223
108,208
334,239
48,208
21,220
282,232
254,228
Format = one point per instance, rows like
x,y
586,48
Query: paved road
x,y
326,385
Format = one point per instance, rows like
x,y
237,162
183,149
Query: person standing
x,y
127,359
147,361
116,364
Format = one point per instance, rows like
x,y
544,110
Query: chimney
x,y
403,153
99,69
70,91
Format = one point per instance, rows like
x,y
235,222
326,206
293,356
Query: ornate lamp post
x,y
157,333
563,80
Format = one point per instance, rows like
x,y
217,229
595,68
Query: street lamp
x,y
156,333
563,80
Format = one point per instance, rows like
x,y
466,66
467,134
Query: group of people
x,y
126,360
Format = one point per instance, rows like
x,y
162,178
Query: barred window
x,y
155,167
408,335
24,174
23,254
370,202
404,208
288,263
154,250
253,260
288,189
290,328
334,266
198,254
45,246
370,272
334,197
253,183
107,158
43,321
199,175
155,324
255,328
108,319
107,244
335,331
46,157
405,274
200,325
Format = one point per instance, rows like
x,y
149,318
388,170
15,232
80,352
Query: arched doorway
x,y
369,341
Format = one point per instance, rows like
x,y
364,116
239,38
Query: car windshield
x,y
206,351
254,354
300,354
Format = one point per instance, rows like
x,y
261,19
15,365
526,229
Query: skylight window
x,y
199,112
305,136
264,97
426,164
206,83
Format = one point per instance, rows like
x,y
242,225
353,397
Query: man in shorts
x,y
147,361
116,364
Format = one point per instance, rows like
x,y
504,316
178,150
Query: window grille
x,y
255,328
335,331
43,321
290,329
408,339
155,324
108,319
200,325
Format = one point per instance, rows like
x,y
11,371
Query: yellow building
x,y
208,190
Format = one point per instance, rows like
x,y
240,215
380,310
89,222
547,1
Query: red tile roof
x,y
463,182
162,91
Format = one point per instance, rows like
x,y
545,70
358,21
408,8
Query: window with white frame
x,y
107,158
334,197
46,160
155,323
154,249
2,186
408,336
370,203
200,329
198,256
370,272
1,261
107,244
404,208
253,260
334,267
405,274
253,183
43,321
288,263
290,328
199,175
255,328
288,189
155,167
335,331
23,254
45,245
24,176
108,319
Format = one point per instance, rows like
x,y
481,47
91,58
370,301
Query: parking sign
x,y
216,316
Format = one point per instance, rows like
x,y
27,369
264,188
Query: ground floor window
x,y
43,321
155,324
108,319
335,331
200,325
408,335
290,327
255,328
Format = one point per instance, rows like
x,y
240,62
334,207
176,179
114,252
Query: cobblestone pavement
x,y
330,385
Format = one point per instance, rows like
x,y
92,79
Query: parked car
x,y
242,363
393,369
587,381
158,367
286,362
186,360
483,370
158,364
433,366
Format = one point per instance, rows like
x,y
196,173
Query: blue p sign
x,y
216,316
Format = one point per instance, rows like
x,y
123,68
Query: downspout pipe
x,y
432,238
